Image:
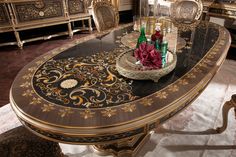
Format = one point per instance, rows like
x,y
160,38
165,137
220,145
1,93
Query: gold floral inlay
x,y
210,56
35,101
39,62
203,64
47,107
108,112
173,88
183,82
65,112
27,76
191,76
162,95
129,108
28,93
147,102
47,57
25,84
87,114
32,69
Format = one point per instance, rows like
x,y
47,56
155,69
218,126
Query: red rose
x,y
148,56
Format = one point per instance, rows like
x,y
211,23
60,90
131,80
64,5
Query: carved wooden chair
x,y
186,11
19,142
105,15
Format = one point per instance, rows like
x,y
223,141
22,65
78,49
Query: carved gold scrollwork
x,y
185,14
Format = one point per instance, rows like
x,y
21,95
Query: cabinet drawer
x,y
4,17
76,6
30,11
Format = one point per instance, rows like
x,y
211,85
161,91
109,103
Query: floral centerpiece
x,y
149,61
151,55
148,56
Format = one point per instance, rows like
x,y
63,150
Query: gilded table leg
x,y
19,42
227,106
128,148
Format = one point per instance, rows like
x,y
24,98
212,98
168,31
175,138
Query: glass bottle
x,y
142,38
157,45
157,35
164,48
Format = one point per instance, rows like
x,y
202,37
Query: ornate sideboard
x,y
20,15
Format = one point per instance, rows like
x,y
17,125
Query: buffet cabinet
x,y
21,15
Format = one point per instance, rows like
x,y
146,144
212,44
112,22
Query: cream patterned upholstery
x,y
19,142
105,15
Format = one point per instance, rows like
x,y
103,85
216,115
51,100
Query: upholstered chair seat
x,y
20,142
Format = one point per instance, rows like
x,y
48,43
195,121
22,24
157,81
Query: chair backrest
x,y
186,11
105,15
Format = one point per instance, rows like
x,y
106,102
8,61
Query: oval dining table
x,y
74,94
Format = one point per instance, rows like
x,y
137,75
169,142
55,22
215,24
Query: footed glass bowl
x,y
125,65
